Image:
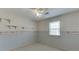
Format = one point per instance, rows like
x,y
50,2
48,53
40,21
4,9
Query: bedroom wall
x,y
69,39
11,38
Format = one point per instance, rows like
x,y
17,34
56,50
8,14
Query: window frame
x,y
59,30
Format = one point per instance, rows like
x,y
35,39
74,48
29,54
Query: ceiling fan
x,y
40,11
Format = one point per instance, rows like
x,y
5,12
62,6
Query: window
x,y
54,28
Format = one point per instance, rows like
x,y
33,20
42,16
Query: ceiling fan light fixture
x,y
39,11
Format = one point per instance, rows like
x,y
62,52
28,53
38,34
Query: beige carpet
x,y
37,47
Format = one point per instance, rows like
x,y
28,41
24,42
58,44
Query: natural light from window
x,y
54,28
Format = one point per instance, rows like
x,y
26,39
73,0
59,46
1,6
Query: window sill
x,y
54,35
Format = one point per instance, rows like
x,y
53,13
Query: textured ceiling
x,y
51,12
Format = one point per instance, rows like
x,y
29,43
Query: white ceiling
x,y
52,12
24,12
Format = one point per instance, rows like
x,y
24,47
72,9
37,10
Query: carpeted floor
x,y
37,47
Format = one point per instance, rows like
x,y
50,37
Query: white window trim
x,y
59,28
